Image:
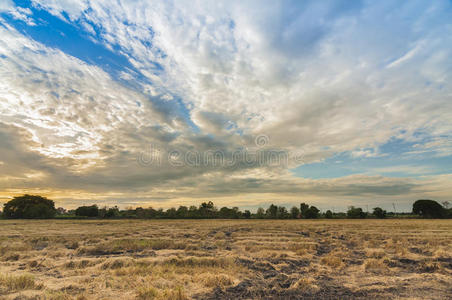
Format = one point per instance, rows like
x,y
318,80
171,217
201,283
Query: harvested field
x,y
227,259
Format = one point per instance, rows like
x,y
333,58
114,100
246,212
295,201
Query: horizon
x,y
169,104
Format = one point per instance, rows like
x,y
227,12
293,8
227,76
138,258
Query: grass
x,y
225,259
14,283
130,245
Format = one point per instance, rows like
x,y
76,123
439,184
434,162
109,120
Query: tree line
x,y
38,207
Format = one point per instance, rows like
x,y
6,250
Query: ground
x,y
225,259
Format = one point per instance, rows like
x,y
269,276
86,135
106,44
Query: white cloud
x,y
6,5
308,74
316,77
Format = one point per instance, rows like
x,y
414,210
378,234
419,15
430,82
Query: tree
x,y
303,208
445,204
295,212
355,213
272,211
247,214
429,209
112,212
193,212
207,210
260,214
328,214
171,213
312,213
182,212
229,213
29,207
88,211
282,213
379,213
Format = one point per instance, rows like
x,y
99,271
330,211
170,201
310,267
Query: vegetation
x,y
379,213
356,213
225,259
87,211
29,207
328,214
430,209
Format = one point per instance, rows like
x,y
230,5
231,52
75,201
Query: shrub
x,y
355,213
303,208
260,214
328,214
294,212
379,213
29,207
282,213
272,211
312,213
87,211
429,209
307,212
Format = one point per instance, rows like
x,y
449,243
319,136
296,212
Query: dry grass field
x,y
225,259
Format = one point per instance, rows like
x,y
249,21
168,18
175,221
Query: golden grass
x,y
332,261
184,259
14,283
373,264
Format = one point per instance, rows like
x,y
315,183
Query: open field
x,y
230,259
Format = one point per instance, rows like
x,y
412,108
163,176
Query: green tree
x,y
355,213
379,213
207,210
272,212
312,213
89,211
429,209
182,212
171,213
260,214
29,207
303,208
295,212
193,212
328,214
282,213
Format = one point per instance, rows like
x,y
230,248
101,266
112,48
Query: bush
x,y
312,213
282,213
112,212
260,214
272,212
303,208
29,207
87,211
328,214
379,213
429,209
355,213
294,212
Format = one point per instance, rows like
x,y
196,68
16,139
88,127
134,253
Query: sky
x,y
243,103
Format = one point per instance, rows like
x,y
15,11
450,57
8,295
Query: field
x,y
227,259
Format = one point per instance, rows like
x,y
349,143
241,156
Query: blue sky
x,y
360,91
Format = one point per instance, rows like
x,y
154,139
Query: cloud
x,y
6,5
317,78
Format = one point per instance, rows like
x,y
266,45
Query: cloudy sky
x,y
245,103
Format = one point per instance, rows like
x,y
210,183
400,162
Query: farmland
x,y
228,259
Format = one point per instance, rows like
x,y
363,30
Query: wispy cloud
x,y
316,78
